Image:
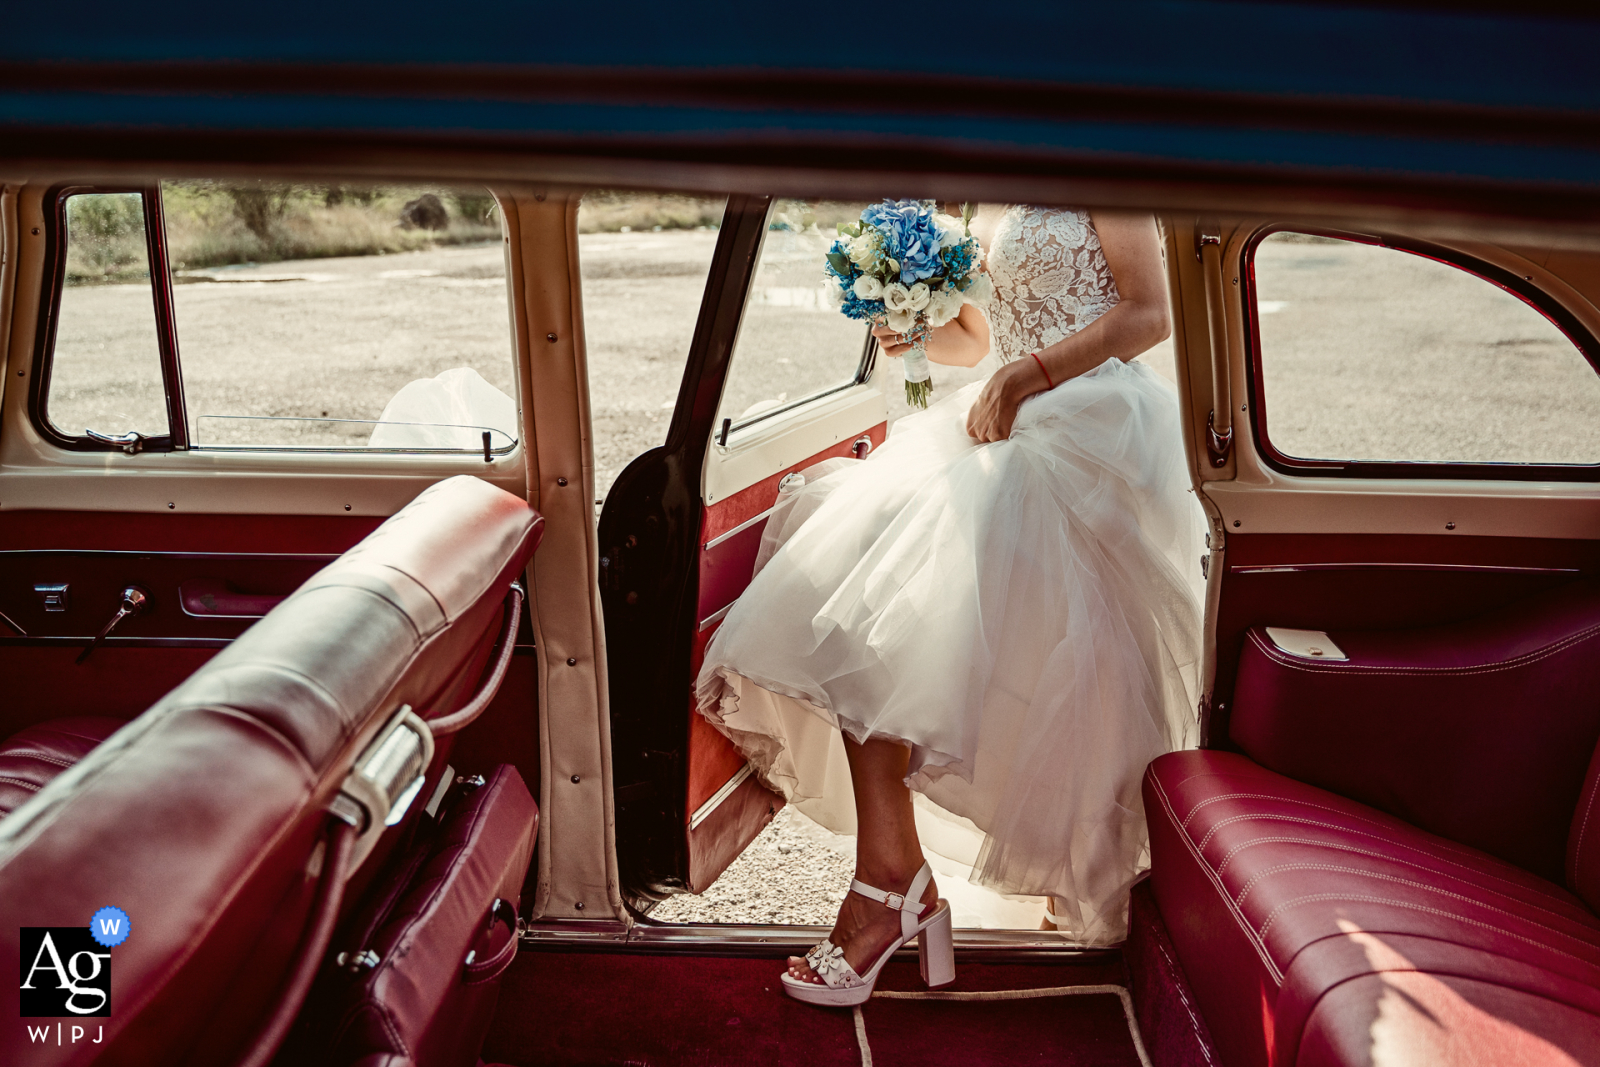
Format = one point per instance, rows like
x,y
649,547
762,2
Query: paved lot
x,y
1369,353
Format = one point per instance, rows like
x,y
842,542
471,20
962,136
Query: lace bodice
x,y
1050,278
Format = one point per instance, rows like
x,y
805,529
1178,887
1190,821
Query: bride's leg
x,y
888,854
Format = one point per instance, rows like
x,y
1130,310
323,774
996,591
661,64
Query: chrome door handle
x,y
134,601
131,442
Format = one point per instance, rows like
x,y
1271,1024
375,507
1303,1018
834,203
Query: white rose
x,y
863,247
868,288
833,293
918,294
980,291
901,321
896,297
944,306
955,231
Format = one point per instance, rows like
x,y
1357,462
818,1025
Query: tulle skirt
x,y
1023,614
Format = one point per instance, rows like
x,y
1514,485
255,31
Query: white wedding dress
x,y
1024,614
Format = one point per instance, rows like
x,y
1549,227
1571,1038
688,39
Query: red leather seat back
x,y
1478,731
420,1001
1583,839
200,819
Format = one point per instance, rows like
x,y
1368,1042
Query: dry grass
x,y
610,211
215,224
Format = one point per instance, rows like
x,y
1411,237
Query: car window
x,y
1374,353
304,317
644,259
106,374
793,344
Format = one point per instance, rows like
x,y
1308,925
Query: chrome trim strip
x,y
23,633
703,812
215,615
764,941
1297,568
716,616
741,528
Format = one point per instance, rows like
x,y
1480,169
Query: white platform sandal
x,y
841,986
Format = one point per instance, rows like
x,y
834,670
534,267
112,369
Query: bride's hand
x,y
991,416
891,342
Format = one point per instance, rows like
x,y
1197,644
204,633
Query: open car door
x,y
777,380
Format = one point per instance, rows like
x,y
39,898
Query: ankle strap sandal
x,y
841,986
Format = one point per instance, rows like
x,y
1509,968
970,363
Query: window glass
x,y
793,343
645,258
1372,353
341,316
105,373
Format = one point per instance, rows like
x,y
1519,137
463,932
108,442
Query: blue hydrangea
x,y
910,236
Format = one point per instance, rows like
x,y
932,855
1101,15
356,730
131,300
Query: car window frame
x,y
864,368
176,439
1576,333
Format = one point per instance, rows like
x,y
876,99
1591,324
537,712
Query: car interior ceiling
x,y
1391,807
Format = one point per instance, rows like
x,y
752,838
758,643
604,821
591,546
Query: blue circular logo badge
x,y
110,927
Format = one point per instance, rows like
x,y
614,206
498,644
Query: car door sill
x,y
753,940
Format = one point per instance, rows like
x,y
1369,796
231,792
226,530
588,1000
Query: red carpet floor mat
x,y
584,1009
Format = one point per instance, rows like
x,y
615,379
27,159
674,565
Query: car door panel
x,y
1363,545
95,555
727,806
1376,582
679,534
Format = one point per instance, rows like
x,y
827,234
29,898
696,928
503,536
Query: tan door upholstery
x,y
577,854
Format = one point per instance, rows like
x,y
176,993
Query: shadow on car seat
x,y
226,819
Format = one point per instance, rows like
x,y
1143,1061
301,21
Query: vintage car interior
x,y
379,728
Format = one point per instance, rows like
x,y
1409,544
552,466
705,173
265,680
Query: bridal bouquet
x,y
908,267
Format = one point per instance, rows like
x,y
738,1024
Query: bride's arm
x,y
961,342
1139,320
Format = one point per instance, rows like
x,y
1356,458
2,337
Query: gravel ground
x,y
795,872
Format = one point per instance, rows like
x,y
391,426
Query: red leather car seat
x,y
203,818
1315,930
31,758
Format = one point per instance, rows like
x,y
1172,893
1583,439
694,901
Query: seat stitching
x,y
1378,672
1382,856
1444,846
1583,829
1238,917
32,787
1272,796
1401,881
40,756
1273,917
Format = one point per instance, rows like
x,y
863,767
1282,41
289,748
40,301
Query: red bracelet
x,y
1042,371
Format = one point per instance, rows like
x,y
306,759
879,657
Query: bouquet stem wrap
x,y
919,386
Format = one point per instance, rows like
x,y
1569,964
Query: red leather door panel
x,y
723,822
97,554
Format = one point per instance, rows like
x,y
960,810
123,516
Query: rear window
x,y
1370,356
254,315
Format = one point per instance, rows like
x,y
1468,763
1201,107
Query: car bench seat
x,y
31,758
207,818
1432,898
